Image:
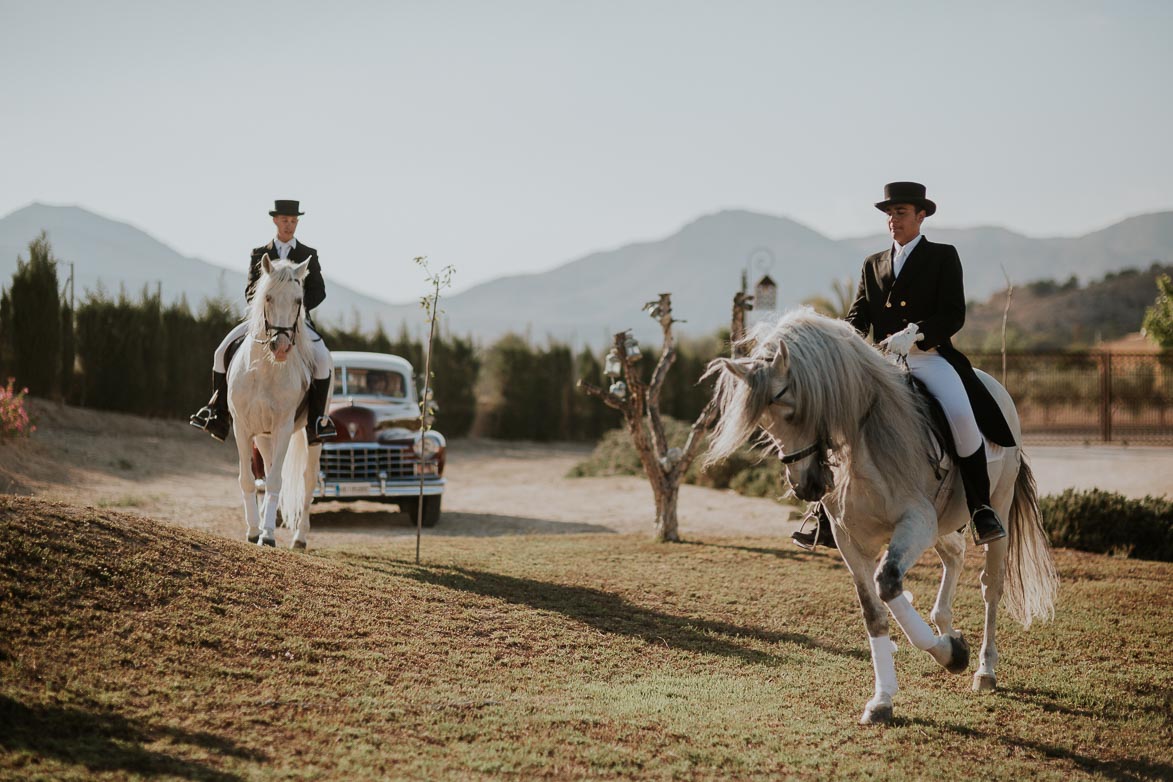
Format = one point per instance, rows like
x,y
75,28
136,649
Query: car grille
x,y
365,464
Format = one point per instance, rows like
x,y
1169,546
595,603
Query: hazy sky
x,y
504,137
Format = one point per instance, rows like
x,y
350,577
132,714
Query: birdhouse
x,y
765,294
619,389
611,365
631,346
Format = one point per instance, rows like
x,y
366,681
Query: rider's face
x,y
286,225
904,222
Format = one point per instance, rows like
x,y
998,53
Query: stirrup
x,y
995,532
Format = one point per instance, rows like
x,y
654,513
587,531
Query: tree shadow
x,y
107,742
1125,770
371,518
608,612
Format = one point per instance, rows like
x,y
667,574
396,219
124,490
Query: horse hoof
x,y
254,539
984,682
959,658
299,545
268,542
876,715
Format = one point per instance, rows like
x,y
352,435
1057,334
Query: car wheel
x,y
410,506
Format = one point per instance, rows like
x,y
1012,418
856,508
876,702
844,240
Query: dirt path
x,y
171,472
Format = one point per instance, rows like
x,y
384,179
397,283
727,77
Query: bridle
x,y
272,332
802,453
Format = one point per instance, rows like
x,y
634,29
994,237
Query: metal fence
x,y
1090,396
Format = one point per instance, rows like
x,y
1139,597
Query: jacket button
x,y
904,304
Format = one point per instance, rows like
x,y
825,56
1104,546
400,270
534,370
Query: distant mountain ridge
x,y
586,299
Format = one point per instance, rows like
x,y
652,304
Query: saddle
x,y
942,433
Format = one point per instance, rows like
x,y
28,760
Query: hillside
x,y
135,650
1059,315
585,300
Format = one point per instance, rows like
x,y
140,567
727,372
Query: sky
x,y
508,137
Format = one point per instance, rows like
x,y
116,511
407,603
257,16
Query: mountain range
x,y
585,300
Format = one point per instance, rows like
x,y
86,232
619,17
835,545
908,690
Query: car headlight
x,y
427,446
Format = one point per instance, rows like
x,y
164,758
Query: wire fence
x,y
1089,396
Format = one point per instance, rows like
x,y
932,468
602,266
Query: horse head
x,y
764,391
278,315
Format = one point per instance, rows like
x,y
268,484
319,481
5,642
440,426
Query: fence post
x,y
1106,397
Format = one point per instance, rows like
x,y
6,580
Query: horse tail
x,y
1031,579
293,480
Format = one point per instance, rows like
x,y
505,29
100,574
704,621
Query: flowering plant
x,y
14,419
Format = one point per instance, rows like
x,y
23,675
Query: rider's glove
x,y
902,341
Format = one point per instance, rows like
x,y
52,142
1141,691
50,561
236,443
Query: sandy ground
x,y
171,472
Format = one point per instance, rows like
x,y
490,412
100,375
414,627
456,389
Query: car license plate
x,y
354,489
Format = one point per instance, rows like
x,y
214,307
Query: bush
x,y
1104,522
14,418
746,471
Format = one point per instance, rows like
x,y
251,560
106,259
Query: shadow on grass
x,y
107,742
379,519
610,613
1126,770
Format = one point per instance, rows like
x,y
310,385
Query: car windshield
x,y
357,381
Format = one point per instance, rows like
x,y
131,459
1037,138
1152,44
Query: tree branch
x,y
606,397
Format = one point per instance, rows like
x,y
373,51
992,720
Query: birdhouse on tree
x,y
765,294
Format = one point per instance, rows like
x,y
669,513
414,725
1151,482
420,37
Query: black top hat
x,y
289,208
906,193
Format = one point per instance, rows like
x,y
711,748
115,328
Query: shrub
x,y
1108,523
746,472
14,418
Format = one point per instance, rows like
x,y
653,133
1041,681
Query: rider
x,y
911,299
214,417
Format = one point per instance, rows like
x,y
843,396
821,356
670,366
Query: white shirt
x,y
900,254
283,249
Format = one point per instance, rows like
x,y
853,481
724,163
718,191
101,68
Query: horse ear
x,y
266,264
739,368
781,358
301,270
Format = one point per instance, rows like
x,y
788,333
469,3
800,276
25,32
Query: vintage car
x,y
380,453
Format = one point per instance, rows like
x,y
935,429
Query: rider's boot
x,y
318,426
987,527
821,535
214,417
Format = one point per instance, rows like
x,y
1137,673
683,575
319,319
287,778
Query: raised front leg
x,y
915,532
875,617
248,487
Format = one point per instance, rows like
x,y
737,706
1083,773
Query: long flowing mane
x,y
282,274
846,394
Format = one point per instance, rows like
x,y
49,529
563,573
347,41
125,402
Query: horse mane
x,y
282,274
846,393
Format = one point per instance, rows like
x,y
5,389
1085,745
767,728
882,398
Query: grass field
x,y
131,649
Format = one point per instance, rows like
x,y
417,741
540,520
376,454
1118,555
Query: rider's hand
x,y
902,341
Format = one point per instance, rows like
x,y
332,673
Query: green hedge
x,y
1104,522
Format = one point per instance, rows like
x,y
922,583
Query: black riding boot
x,y
318,426
214,417
821,535
987,527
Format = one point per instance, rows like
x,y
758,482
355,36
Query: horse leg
x,y
879,708
278,444
916,531
994,575
248,487
312,462
951,550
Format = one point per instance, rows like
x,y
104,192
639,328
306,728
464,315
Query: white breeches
x,y
323,363
945,385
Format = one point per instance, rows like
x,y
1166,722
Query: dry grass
x,y
131,649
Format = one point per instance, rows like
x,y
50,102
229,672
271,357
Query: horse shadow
x,y
107,742
609,613
1126,770
381,521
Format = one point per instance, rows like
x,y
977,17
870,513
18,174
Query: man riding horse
x,y
912,300
214,417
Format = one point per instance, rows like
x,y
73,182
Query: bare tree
x,y
640,404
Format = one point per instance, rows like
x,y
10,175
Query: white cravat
x,y
284,249
900,254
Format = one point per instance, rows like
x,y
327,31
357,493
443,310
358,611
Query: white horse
x,y
267,383
853,434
